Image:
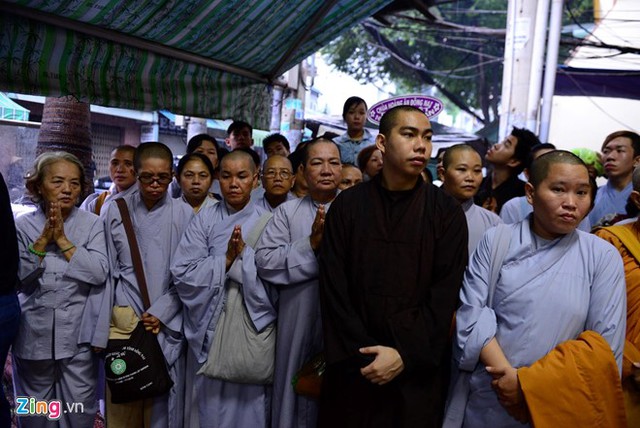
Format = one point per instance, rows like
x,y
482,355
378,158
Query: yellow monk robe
x,y
575,385
626,238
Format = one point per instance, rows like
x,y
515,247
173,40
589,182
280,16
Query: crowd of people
x,y
486,302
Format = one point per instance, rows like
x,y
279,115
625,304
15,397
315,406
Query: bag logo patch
x,y
118,366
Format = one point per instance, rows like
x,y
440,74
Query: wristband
x,y
67,249
36,252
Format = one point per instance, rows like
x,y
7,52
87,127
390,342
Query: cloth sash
x,y
629,238
575,385
100,201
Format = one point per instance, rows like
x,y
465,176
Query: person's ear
x,y
636,161
513,163
635,198
227,142
529,191
381,143
440,171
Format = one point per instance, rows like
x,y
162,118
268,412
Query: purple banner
x,y
429,105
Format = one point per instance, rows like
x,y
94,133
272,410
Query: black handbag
x,y
135,368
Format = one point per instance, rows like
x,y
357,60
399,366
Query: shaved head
x,y
277,160
449,152
124,149
238,155
151,150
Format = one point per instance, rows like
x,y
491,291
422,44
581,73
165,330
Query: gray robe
x,y
548,292
89,204
158,232
199,269
478,221
59,315
284,258
261,201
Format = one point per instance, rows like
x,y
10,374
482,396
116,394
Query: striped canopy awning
x,y
10,110
209,58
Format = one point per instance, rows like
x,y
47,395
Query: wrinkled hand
x,y
507,387
317,228
151,323
385,367
47,234
235,246
56,222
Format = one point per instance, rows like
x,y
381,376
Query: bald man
x,y
277,182
351,175
391,263
287,257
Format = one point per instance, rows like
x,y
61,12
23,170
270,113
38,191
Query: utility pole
x,y
537,61
521,17
555,30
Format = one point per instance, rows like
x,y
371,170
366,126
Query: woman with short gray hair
x,y
63,267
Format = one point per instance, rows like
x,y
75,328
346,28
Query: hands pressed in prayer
x,y
385,367
151,323
317,228
235,246
53,232
507,387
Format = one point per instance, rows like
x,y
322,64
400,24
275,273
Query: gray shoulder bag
x,y
239,353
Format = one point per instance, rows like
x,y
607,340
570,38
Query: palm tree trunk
x,y
66,126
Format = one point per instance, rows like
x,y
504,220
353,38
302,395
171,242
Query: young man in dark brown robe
x,y
392,259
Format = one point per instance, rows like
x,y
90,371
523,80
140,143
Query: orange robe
x,y
630,234
575,385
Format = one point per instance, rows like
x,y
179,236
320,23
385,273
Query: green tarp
x,y
40,54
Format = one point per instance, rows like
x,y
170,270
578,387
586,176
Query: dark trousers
x,y
9,320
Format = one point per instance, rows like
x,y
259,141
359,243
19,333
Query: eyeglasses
x,y
271,174
149,179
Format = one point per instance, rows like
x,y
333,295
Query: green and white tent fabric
x,y
215,58
10,110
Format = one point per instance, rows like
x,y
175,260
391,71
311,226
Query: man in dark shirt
x,y
507,159
391,265
9,306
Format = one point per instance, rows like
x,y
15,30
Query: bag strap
x,y
100,201
254,234
135,252
500,247
628,239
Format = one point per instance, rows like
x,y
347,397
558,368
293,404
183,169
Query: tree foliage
x,y
460,53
